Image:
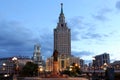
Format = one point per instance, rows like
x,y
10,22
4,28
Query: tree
x,y
73,70
30,69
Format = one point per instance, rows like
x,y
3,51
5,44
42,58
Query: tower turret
x,y
61,17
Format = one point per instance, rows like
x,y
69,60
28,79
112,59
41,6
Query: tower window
x,y
62,25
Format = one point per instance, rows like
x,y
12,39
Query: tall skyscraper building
x,y
62,36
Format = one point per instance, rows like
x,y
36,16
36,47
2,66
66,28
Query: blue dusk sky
x,y
94,24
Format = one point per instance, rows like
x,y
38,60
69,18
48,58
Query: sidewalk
x,y
37,78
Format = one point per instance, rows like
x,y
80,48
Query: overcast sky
x,y
94,24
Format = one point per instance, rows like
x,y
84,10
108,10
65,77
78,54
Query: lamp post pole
x,y
14,59
4,64
4,67
40,70
15,65
70,69
5,70
93,75
105,69
93,65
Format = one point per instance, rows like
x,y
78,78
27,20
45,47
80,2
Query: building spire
x,y
61,17
61,8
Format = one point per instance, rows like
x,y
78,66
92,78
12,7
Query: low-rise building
x,y
116,65
11,64
100,60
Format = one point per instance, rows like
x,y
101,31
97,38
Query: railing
x,y
99,71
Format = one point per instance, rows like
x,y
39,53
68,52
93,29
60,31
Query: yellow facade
x,y
63,62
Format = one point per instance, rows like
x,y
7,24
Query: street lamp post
x,y
93,75
5,70
4,64
93,65
40,70
105,69
70,69
15,66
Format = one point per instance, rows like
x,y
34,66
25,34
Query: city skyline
x,y
94,27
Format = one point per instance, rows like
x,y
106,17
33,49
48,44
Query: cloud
x,y
100,17
101,14
81,30
75,36
47,44
15,39
88,61
77,25
76,22
82,53
117,5
91,36
85,55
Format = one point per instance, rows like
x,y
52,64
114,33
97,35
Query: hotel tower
x,y
62,36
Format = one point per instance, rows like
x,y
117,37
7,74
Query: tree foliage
x,y
30,69
75,70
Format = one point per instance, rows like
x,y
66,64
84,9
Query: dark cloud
x,y
101,15
47,44
117,5
15,39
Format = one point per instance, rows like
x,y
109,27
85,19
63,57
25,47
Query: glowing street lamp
x,y
41,69
14,58
70,69
105,66
4,64
76,64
